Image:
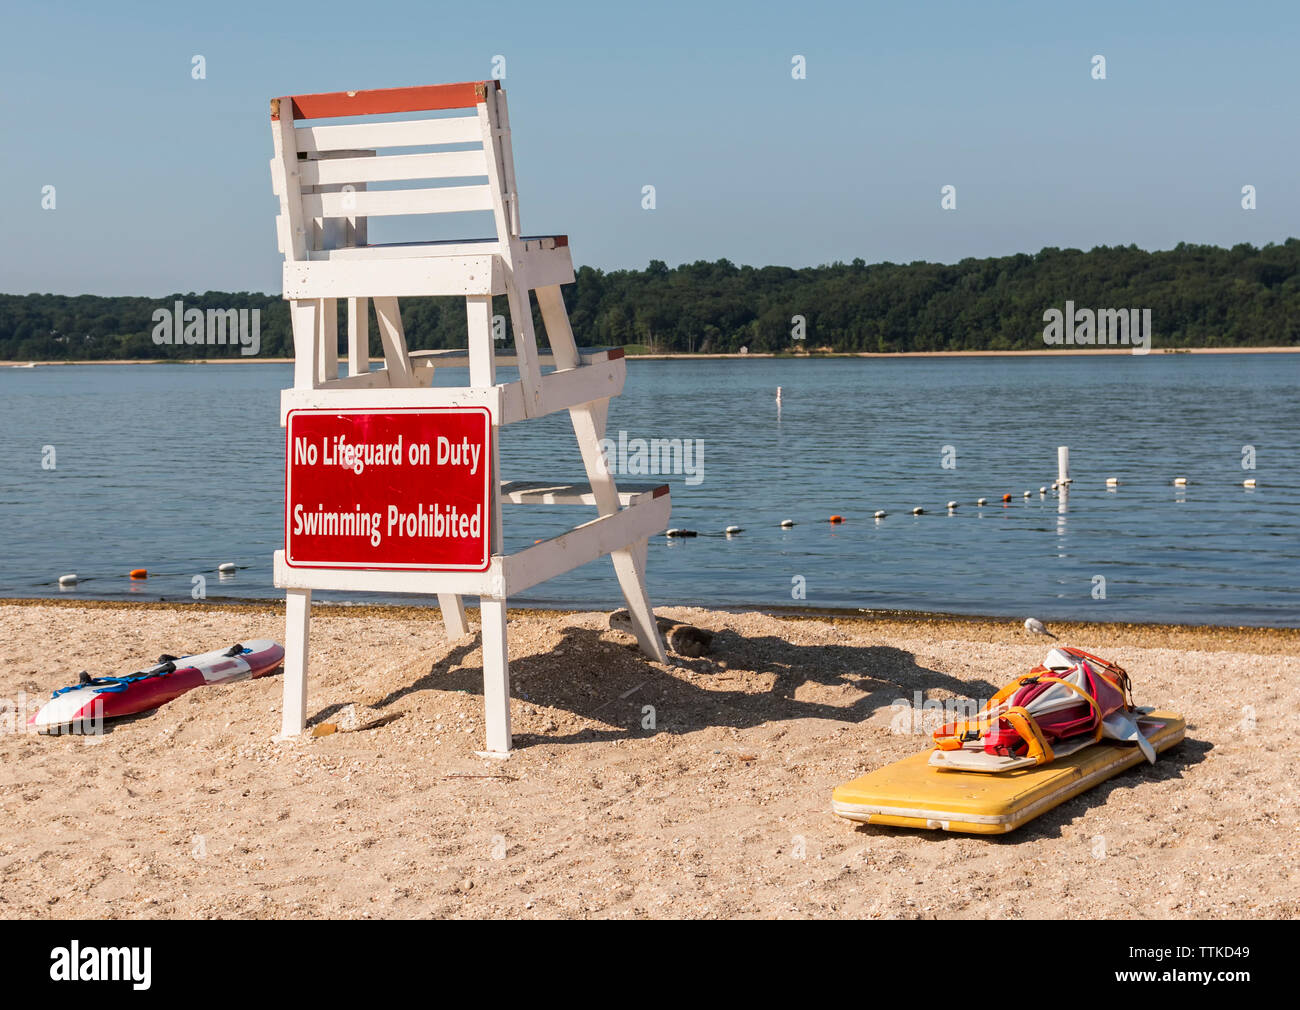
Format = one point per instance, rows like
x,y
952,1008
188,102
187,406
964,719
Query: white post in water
x,y
1063,464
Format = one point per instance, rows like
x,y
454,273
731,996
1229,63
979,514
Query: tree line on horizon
x,y
1199,296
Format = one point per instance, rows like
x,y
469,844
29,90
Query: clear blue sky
x,y
162,180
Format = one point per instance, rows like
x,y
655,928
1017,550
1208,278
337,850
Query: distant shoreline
x,y
1071,352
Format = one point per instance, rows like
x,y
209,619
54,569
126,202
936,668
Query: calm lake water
x,y
179,468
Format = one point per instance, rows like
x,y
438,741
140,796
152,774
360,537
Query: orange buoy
x,y
139,573
837,519
1006,497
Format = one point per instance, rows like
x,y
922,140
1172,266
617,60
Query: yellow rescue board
x,y
913,794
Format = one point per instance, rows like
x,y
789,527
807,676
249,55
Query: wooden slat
x,y
453,357
386,203
381,398
381,101
394,167
357,580
411,133
539,492
435,275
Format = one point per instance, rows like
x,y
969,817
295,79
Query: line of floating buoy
x,y
1060,485
137,574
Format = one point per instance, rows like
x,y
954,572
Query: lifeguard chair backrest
x,y
323,172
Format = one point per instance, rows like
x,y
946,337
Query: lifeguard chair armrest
x,y
455,358
536,492
376,102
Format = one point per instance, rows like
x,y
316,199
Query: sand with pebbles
x,y
721,810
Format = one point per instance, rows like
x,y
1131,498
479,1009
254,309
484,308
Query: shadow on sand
x,y
610,683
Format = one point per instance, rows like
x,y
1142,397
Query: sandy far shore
x,y
1035,353
721,810
756,355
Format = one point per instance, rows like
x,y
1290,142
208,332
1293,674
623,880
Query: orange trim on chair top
x,y
464,95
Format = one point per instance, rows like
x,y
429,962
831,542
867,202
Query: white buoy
x,y
1112,482
226,568
881,513
1180,481
918,511
982,501
68,580
1042,490
787,523
1248,482
733,529
952,505
1028,493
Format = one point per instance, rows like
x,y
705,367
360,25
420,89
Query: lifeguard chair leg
x,y
393,337
530,372
630,567
453,615
496,676
589,428
306,346
358,336
328,323
297,620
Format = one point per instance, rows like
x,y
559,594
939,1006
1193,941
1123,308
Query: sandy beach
x,y
723,810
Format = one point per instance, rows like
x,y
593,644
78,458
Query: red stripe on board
x,y
614,354
660,491
431,97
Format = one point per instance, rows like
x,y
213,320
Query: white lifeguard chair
x,y
330,180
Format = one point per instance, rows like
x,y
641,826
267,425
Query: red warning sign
x,y
389,489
